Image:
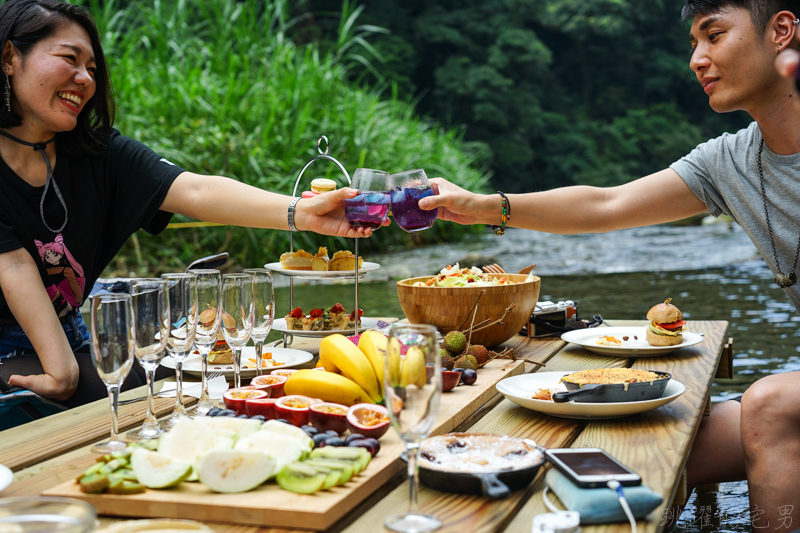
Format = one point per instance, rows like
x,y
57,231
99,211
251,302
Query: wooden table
x,y
655,444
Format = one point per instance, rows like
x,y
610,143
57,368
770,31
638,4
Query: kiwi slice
x,y
359,456
124,486
94,483
302,478
332,477
345,467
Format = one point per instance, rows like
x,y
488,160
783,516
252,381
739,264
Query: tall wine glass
x,y
112,353
370,208
238,313
182,289
413,387
151,323
264,300
408,188
208,282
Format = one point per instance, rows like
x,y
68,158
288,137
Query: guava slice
x,y
157,470
234,470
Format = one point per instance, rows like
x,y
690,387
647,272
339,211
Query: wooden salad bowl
x,y
448,307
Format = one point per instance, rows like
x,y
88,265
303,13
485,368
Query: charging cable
x,y
557,521
615,485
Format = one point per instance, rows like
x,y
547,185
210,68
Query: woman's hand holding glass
x,y
151,324
112,352
208,287
412,390
182,289
264,301
238,312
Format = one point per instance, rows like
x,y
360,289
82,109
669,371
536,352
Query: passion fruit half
x,y
261,406
327,416
294,408
273,383
369,420
235,398
449,380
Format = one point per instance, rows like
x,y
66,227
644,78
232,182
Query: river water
x,y
712,272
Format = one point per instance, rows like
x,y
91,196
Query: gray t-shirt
x,y
723,173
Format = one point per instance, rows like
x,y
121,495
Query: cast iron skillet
x,y
636,392
496,485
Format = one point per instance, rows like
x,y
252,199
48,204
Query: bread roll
x,y
663,340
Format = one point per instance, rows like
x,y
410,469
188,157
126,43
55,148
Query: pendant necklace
x,y
782,280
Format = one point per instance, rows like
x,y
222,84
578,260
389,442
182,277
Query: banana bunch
x,y
354,374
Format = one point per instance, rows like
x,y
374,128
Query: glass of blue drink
x,y
408,188
370,208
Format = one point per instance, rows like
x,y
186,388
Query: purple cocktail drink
x,y
406,210
367,209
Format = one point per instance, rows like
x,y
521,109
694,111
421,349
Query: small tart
x,y
321,260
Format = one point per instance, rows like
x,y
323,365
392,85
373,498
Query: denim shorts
x,y
14,341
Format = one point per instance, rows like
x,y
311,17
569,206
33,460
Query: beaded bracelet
x,y
291,213
505,215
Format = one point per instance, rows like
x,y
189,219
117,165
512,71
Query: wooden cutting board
x,y
270,505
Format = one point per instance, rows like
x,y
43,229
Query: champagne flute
x,y
151,323
408,188
208,281
112,353
237,308
182,289
264,299
370,208
412,388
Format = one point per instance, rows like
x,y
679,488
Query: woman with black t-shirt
x,y
72,190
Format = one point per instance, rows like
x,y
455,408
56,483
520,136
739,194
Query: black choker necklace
x,y
40,147
781,279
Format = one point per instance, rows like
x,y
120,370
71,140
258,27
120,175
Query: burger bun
x,y
664,314
663,340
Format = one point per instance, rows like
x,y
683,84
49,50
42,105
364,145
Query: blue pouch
x,y
601,505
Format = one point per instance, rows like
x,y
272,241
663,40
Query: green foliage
x,y
560,91
219,87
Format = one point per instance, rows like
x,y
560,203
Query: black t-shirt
x,y
108,196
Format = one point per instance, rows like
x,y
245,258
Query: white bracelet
x,y
292,205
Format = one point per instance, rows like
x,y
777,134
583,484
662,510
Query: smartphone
x,y
591,467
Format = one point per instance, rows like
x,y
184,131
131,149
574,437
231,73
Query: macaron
x,y
321,185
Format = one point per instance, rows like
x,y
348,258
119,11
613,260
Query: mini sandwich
x,y
221,353
666,325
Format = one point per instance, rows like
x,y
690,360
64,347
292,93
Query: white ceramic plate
x,y
366,323
288,356
633,347
519,390
6,477
366,266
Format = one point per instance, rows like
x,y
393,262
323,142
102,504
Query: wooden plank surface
x,y
270,505
654,444
33,442
460,513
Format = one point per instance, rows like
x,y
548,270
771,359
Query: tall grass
x,y
219,87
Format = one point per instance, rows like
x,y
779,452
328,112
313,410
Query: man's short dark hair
x,y
761,11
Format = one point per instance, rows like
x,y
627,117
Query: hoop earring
x,y
8,92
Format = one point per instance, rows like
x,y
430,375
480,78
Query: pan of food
x,y
606,385
478,463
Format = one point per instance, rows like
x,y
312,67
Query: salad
x,y
453,276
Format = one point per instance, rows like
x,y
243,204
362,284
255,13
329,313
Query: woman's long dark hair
x,y
25,23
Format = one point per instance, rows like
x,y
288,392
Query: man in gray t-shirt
x,y
723,173
736,46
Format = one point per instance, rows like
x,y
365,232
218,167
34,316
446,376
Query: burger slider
x,y
666,325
